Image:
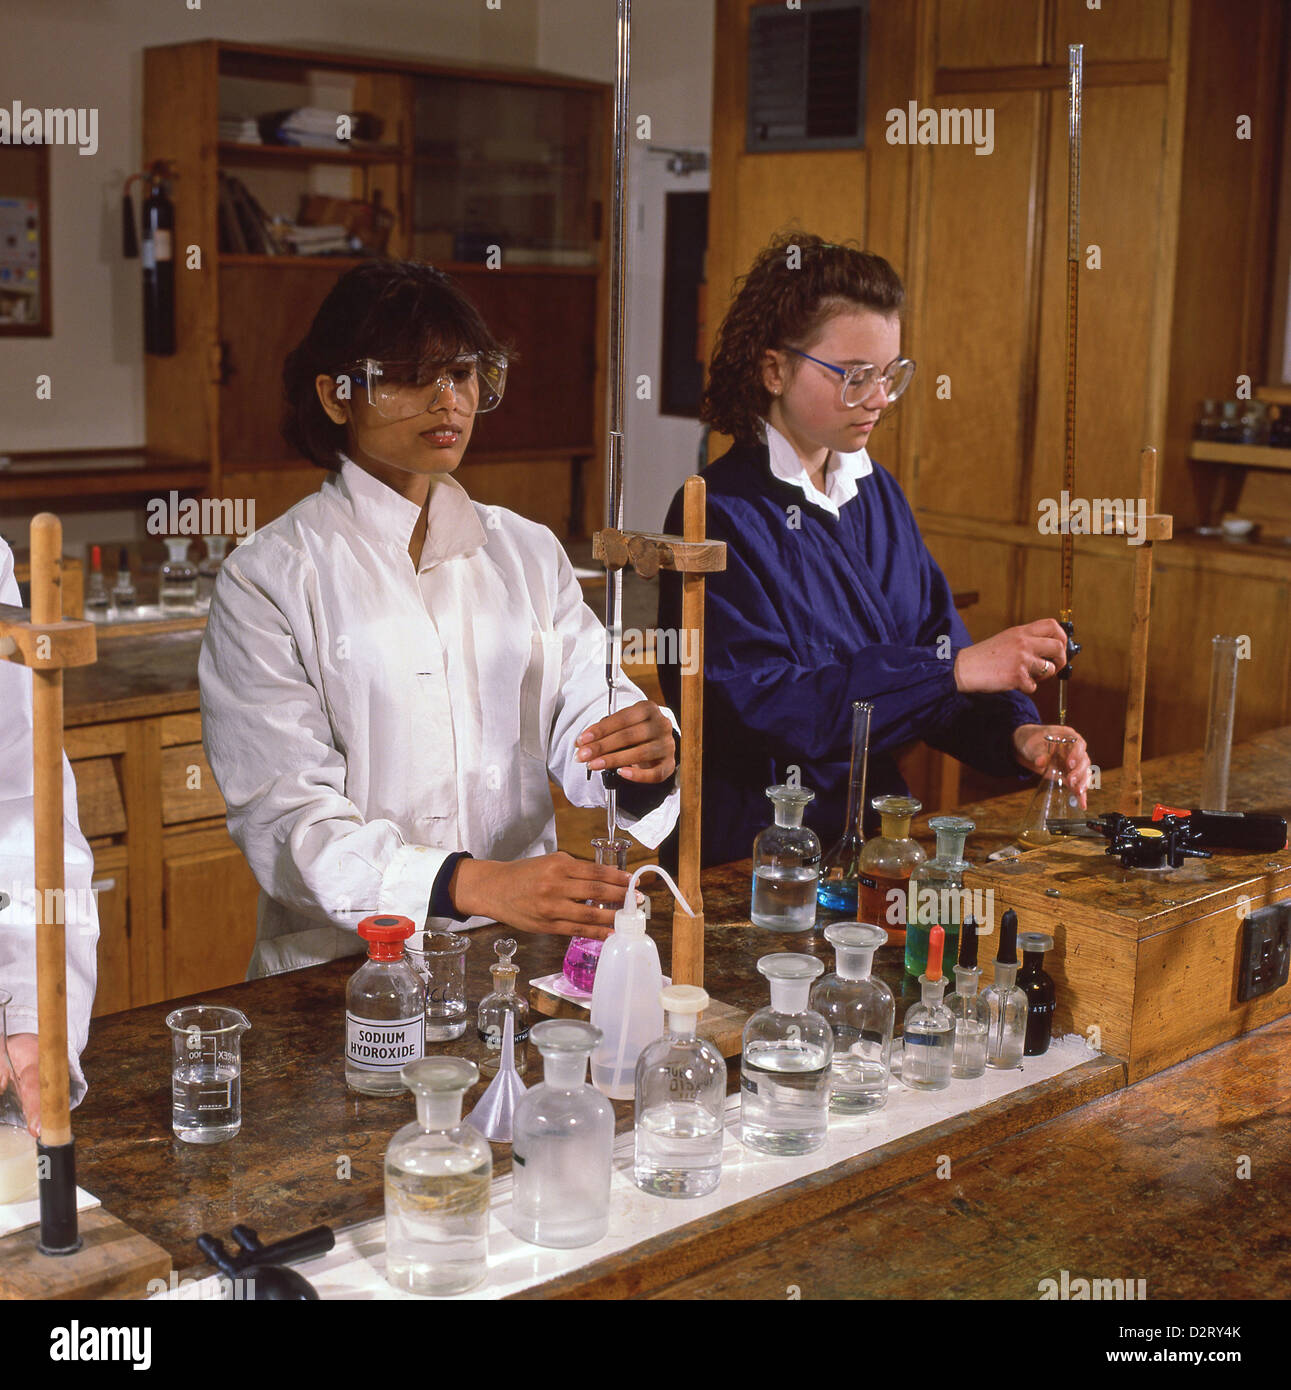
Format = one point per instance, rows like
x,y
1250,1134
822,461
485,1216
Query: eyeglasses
x,y
400,390
860,381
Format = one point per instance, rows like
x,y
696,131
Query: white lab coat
x,y
363,722
17,868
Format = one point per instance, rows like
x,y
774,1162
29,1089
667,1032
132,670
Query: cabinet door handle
x,y
102,885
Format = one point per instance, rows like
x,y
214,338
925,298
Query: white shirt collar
x,y
452,524
841,472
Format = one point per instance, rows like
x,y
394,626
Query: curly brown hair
x,y
793,288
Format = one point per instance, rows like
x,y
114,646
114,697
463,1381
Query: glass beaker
x,y
584,953
840,868
206,1072
17,1146
1219,724
1053,798
439,957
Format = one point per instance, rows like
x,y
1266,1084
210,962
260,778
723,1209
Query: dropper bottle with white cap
x,y
625,997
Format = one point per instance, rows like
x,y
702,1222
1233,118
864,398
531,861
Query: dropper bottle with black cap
x,y
1006,1004
966,1004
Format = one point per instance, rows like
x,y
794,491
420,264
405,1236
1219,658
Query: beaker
x,y
840,869
1219,725
1054,798
206,1072
584,953
439,957
17,1146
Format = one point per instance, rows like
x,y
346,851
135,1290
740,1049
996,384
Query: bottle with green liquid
x,y
936,894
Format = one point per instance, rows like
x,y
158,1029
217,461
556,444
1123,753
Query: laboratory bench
x,y
1058,1174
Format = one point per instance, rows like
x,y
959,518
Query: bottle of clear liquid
x,y
97,601
562,1144
886,864
841,867
936,893
969,1012
1036,983
438,1173
1006,1005
861,1011
680,1103
784,1066
124,594
491,1016
178,577
929,1029
786,865
209,567
385,1010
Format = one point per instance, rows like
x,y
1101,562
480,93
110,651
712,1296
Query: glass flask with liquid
x,y
584,952
929,1028
438,1173
124,594
786,865
18,1172
840,869
494,1007
208,568
887,862
562,1144
1006,1004
385,1010
1054,798
861,1011
178,580
785,1062
680,1103
935,895
965,1004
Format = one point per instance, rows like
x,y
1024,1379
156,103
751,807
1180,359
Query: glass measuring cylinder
x,y
1219,724
584,953
17,1147
206,1072
439,957
840,869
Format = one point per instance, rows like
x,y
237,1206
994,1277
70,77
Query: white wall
x,y
672,83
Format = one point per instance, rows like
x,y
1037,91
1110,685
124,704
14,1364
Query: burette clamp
x,y
1073,648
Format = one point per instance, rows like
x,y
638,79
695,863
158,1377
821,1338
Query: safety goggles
x,y
400,390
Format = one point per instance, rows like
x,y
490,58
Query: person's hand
x,y
1018,658
637,741
24,1052
547,894
1032,752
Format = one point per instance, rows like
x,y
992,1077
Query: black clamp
x,y
1073,648
261,1269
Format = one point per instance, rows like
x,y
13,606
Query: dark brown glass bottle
x,y
1036,984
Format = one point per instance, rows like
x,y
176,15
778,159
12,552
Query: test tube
x,y
1219,728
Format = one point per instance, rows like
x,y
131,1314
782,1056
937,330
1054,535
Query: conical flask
x,y
840,869
1054,798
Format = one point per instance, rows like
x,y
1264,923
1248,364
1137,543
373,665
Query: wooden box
x,y
1145,963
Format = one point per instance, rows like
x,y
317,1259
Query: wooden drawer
x,y
111,882
188,790
100,807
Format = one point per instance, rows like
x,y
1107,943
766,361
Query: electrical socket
x,y
1266,951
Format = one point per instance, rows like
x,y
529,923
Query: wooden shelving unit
x,y
466,157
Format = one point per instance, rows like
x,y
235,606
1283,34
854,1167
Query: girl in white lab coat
x,y
390,671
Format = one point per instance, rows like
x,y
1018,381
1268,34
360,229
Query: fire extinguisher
x,y
157,256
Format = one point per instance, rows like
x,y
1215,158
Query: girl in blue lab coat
x,y
829,593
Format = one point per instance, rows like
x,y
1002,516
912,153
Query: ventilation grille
x,y
807,76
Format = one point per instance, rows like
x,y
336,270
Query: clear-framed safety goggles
x,y
400,390
859,382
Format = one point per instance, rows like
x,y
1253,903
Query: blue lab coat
x,y
811,613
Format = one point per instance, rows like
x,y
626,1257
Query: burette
x,y
1075,53
614,460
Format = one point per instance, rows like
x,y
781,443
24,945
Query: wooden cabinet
x,y
499,178
1176,212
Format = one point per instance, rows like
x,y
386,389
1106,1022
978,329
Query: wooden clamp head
x,y
648,553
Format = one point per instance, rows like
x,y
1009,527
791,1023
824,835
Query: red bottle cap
x,y
385,935
936,942
96,558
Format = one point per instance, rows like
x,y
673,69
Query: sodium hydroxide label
x,y
384,1044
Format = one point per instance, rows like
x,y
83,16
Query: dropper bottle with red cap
x,y
385,1010
929,1028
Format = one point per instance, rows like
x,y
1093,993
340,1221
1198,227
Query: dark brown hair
x,y
793,288
401,311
